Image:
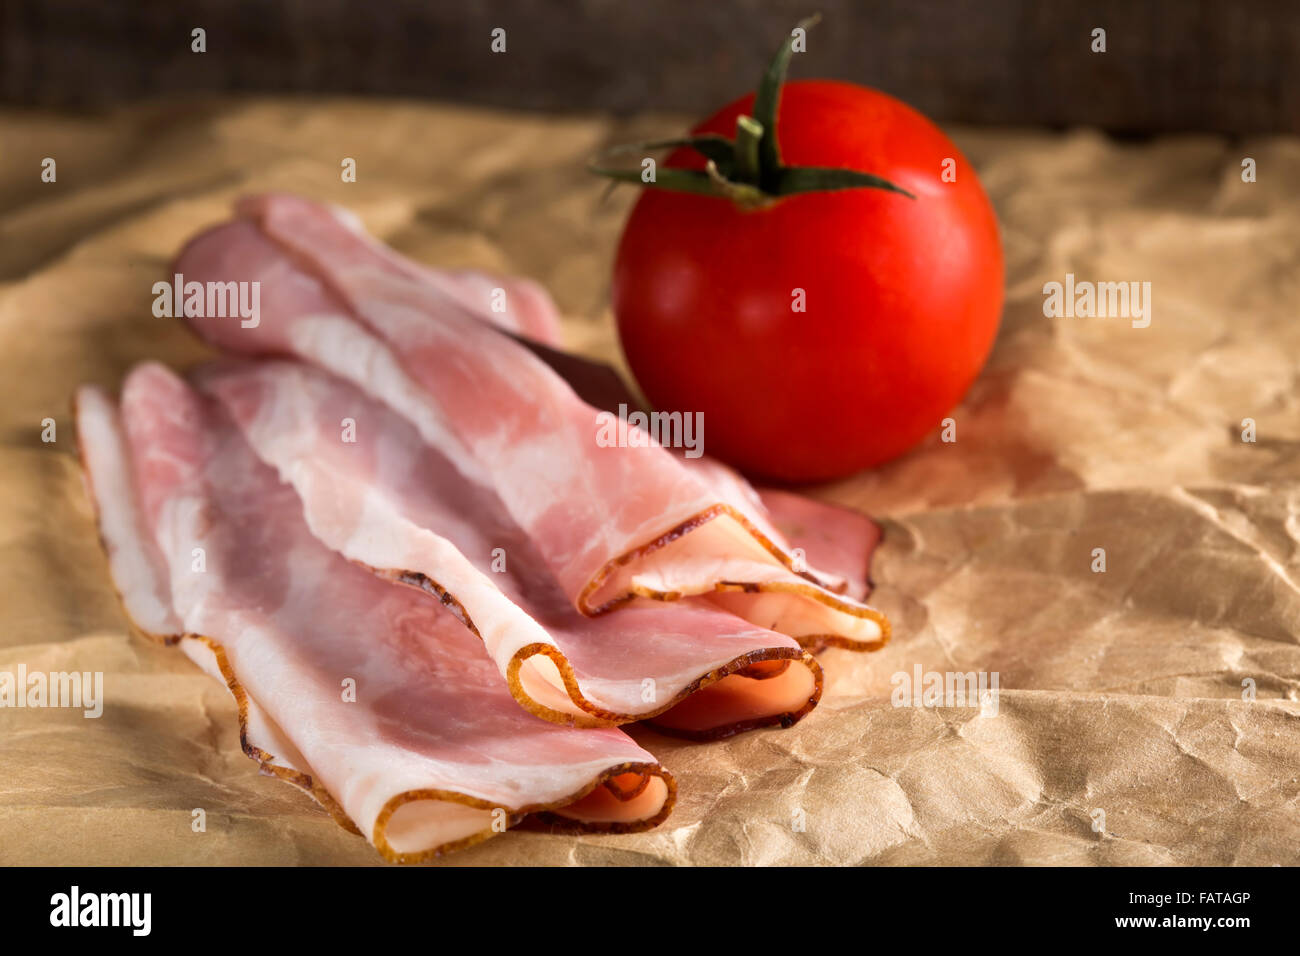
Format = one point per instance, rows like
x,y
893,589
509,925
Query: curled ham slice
x,y
209,549
840,539
612,524
514,304
372,490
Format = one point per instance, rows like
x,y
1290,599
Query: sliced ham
x,y
838,540
514,304
208,548
611,524
372,490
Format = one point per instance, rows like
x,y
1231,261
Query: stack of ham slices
x,y
385,521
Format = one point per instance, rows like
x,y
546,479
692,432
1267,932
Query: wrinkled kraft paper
x,y
1124,731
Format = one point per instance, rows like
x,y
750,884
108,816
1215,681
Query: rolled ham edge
x,y
747,679
626,797
772,586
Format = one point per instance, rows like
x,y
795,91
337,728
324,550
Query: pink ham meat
x,y
516,305
839,540
433,753
612,524
373,491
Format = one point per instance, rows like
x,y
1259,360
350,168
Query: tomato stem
x,y
748,170
749,134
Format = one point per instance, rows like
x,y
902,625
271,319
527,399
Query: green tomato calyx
x,y
748,169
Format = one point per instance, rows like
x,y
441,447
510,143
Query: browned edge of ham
x,y
615,784
298,235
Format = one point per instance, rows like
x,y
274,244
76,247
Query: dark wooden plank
x,y
1171,64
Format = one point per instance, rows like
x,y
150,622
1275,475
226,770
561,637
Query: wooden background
x,y
1171,65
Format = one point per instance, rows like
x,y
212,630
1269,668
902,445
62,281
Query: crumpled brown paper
x,y
1121,734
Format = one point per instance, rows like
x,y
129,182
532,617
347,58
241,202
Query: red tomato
x,y
902,296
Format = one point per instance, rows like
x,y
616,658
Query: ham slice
x,y
372,490
611,524
514,304
839,540
209,549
